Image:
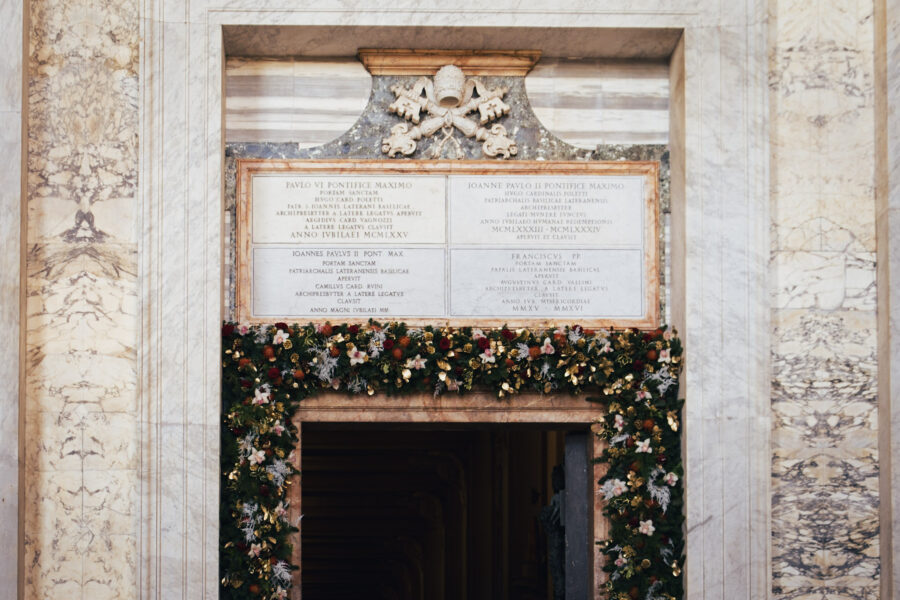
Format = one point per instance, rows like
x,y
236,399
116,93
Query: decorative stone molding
x,y
511,63
448,99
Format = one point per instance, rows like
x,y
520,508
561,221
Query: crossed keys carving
x,y
447,101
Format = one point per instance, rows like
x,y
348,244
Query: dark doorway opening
x,y
401,512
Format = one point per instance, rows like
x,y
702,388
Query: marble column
x,y
825,466
81,415
11,27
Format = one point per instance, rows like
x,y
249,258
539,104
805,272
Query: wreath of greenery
x,y
268,370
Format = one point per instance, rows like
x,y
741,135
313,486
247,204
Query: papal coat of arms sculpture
x,y
446,102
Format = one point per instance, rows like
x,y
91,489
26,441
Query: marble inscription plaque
x,y
547,210
465,243
555,283
348,282
347,209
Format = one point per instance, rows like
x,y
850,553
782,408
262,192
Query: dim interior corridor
x,y
427,514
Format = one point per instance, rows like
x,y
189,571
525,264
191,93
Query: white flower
x,y
619,422
523,352
487,356
376,344
246,444
605,346
416,363
278,428
646,527
325,364
280,337
671,478
659,493
477,334
279,471
613,488
257,457
547,347
643,447
281,572
643,395
357,356
281,593
620,561
255,549
667,335
280,510
665,356
261,396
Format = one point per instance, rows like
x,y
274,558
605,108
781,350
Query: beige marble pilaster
x,y
825,465
11,26
81,414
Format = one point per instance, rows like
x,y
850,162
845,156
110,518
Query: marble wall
x,y
887,139
85,430
825,503
81,414
11,16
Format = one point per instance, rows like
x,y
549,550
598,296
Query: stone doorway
x,y
441,499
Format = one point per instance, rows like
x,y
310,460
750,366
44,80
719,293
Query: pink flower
x,y
613,488
255,549
357,356
620,561
646,527
643,395
671,478
619,422
487,356
280,337
665,356
278,428
261,396
643,447
257,457
416,363
477,334
547,347
280,510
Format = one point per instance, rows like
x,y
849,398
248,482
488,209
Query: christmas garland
x,y
268,370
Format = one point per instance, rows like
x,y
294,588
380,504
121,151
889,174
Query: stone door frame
x,y
720,247
472,409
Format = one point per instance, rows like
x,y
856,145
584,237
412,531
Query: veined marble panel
x,y
81,414
310,102
588,103
307,102
825,503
